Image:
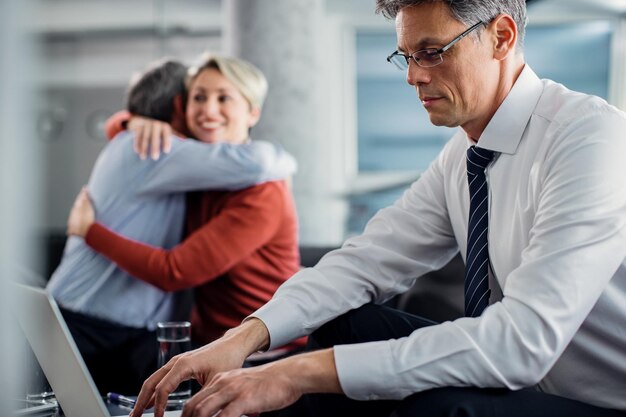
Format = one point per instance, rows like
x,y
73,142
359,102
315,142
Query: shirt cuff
x,y
281,325
365,369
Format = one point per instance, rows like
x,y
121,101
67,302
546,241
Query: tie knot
x,y
478,159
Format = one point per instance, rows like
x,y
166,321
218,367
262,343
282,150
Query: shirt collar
x,y
504,131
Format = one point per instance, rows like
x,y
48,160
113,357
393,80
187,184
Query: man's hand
x,y
265,388
151,134
82,215
202,364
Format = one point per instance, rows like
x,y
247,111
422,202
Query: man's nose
x,y
417,75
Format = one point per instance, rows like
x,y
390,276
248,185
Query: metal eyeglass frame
x,y
429,57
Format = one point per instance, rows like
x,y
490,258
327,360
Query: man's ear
x,y
505,31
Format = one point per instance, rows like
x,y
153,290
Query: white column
x,y
296,47
19,168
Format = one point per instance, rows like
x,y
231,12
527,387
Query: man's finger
x,y
233,409
145,399
207,402
198,398
179,371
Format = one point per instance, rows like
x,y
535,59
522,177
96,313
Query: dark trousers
x,y
119,358
371,323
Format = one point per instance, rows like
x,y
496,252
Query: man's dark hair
x,y
153,94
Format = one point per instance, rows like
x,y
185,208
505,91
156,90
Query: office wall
x,y
70,134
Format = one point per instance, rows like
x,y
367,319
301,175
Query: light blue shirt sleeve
x,y
193,165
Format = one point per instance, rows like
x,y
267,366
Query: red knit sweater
x,y
240,247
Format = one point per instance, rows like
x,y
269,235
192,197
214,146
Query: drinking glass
x,y
174,337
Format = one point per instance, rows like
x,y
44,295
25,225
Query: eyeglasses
x,y
429,57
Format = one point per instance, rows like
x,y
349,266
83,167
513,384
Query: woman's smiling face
x,y
217,111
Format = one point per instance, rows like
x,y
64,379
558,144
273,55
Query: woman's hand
x,y
82,215
150,134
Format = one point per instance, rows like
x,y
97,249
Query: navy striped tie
x,y
477,260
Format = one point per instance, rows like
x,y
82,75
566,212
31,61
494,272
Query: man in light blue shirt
x,y
112,316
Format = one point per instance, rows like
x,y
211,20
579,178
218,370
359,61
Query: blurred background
x,y
358,131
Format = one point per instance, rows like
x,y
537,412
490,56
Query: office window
x,y
576,55
394,132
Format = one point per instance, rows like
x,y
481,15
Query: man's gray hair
x,y
467,12
152,95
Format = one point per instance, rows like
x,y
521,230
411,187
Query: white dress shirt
x,y
557,244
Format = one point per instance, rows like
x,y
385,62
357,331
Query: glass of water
x,y
174,337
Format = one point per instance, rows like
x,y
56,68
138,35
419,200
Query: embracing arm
x,y
150,134
189,165
248,221
116,123
192,165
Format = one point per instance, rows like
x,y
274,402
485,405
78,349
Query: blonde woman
x,y
240,246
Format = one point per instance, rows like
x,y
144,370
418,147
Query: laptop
x,y
60,360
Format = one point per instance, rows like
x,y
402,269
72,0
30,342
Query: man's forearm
x,y
252,335
312,372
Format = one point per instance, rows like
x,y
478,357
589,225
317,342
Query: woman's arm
x,y
248,221
116,123
150,134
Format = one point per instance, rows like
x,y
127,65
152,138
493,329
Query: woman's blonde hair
x,y
247,78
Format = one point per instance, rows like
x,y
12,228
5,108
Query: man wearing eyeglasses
x,y
529,190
